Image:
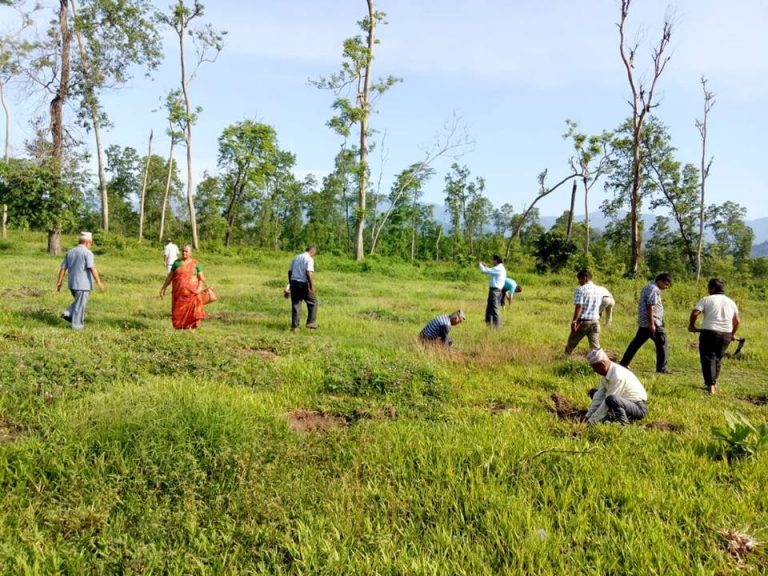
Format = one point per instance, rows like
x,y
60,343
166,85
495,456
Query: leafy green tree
x,y
248,158
553,250
208,201
468,209
733,238
360,92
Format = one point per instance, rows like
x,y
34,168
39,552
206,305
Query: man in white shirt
x,y
620,397
301,277
170,253
606,304
498,275
721,321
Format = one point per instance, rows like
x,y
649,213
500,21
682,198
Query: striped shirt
x,y
650,295
589,297
437,328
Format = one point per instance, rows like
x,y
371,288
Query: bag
x,y
209,295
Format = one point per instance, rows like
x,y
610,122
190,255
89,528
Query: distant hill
x,y
760,250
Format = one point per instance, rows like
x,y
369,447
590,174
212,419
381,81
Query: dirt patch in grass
x,y
309,421
260,352
23,292
8,432
756,400
664,426
739,544
565,409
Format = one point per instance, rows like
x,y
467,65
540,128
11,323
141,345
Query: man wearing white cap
x,y
439,328
620,397
80,264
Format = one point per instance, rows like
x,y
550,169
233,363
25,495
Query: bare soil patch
x,y
756,400
23,292
8,432
565,409
664,426
309,421
260,352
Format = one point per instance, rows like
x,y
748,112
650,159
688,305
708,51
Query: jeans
x,y
642,336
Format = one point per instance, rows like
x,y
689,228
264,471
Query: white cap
x,y
86,236
597,356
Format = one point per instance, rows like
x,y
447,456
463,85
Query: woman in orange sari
x,y
186,296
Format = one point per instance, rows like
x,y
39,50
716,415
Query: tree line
x,y
254,198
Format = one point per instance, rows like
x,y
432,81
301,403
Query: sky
x,y
512,72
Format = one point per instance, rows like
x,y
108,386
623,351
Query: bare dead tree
x,y
642,102
709,101
144,187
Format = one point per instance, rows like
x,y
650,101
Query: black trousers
x,y
493,307
300,293
641,337
712,347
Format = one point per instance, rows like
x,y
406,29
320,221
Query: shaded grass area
x,y
242,448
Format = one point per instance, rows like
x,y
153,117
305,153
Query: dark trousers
x,y
493,307
620,410
642,336
624,411
300,292
712,347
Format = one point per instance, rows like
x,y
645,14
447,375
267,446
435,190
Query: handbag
x,y
209,295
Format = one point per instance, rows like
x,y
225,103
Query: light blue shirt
x,y
78,263
510,286
498,274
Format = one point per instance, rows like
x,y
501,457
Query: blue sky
x,y
512,70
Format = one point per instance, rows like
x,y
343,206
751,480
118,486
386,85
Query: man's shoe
x,y
65,316
312,326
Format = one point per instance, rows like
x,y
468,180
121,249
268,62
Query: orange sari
x,y
187,305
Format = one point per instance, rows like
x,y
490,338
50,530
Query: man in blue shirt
x,y
498,274
510,289
586,313
81,266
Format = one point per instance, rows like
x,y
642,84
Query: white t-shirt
x,y
619,382
718,311
170,253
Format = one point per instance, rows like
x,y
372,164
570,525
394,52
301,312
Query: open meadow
x,y
241,448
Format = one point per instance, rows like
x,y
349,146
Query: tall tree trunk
x,y
365,106
188,139
569,228
57,114
144,187
702,126
586,214
93,109
6,150
167,192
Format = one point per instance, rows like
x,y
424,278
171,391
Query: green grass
x,y
131,448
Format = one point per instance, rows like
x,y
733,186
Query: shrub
x,y
741,437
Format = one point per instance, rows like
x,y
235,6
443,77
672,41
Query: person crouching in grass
x,y
438,329
620,397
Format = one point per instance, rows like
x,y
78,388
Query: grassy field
x,y
241,448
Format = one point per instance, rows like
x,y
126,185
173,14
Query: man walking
x,y
650,322
302,282
80,264
170,254
498,275
586,313
721,320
